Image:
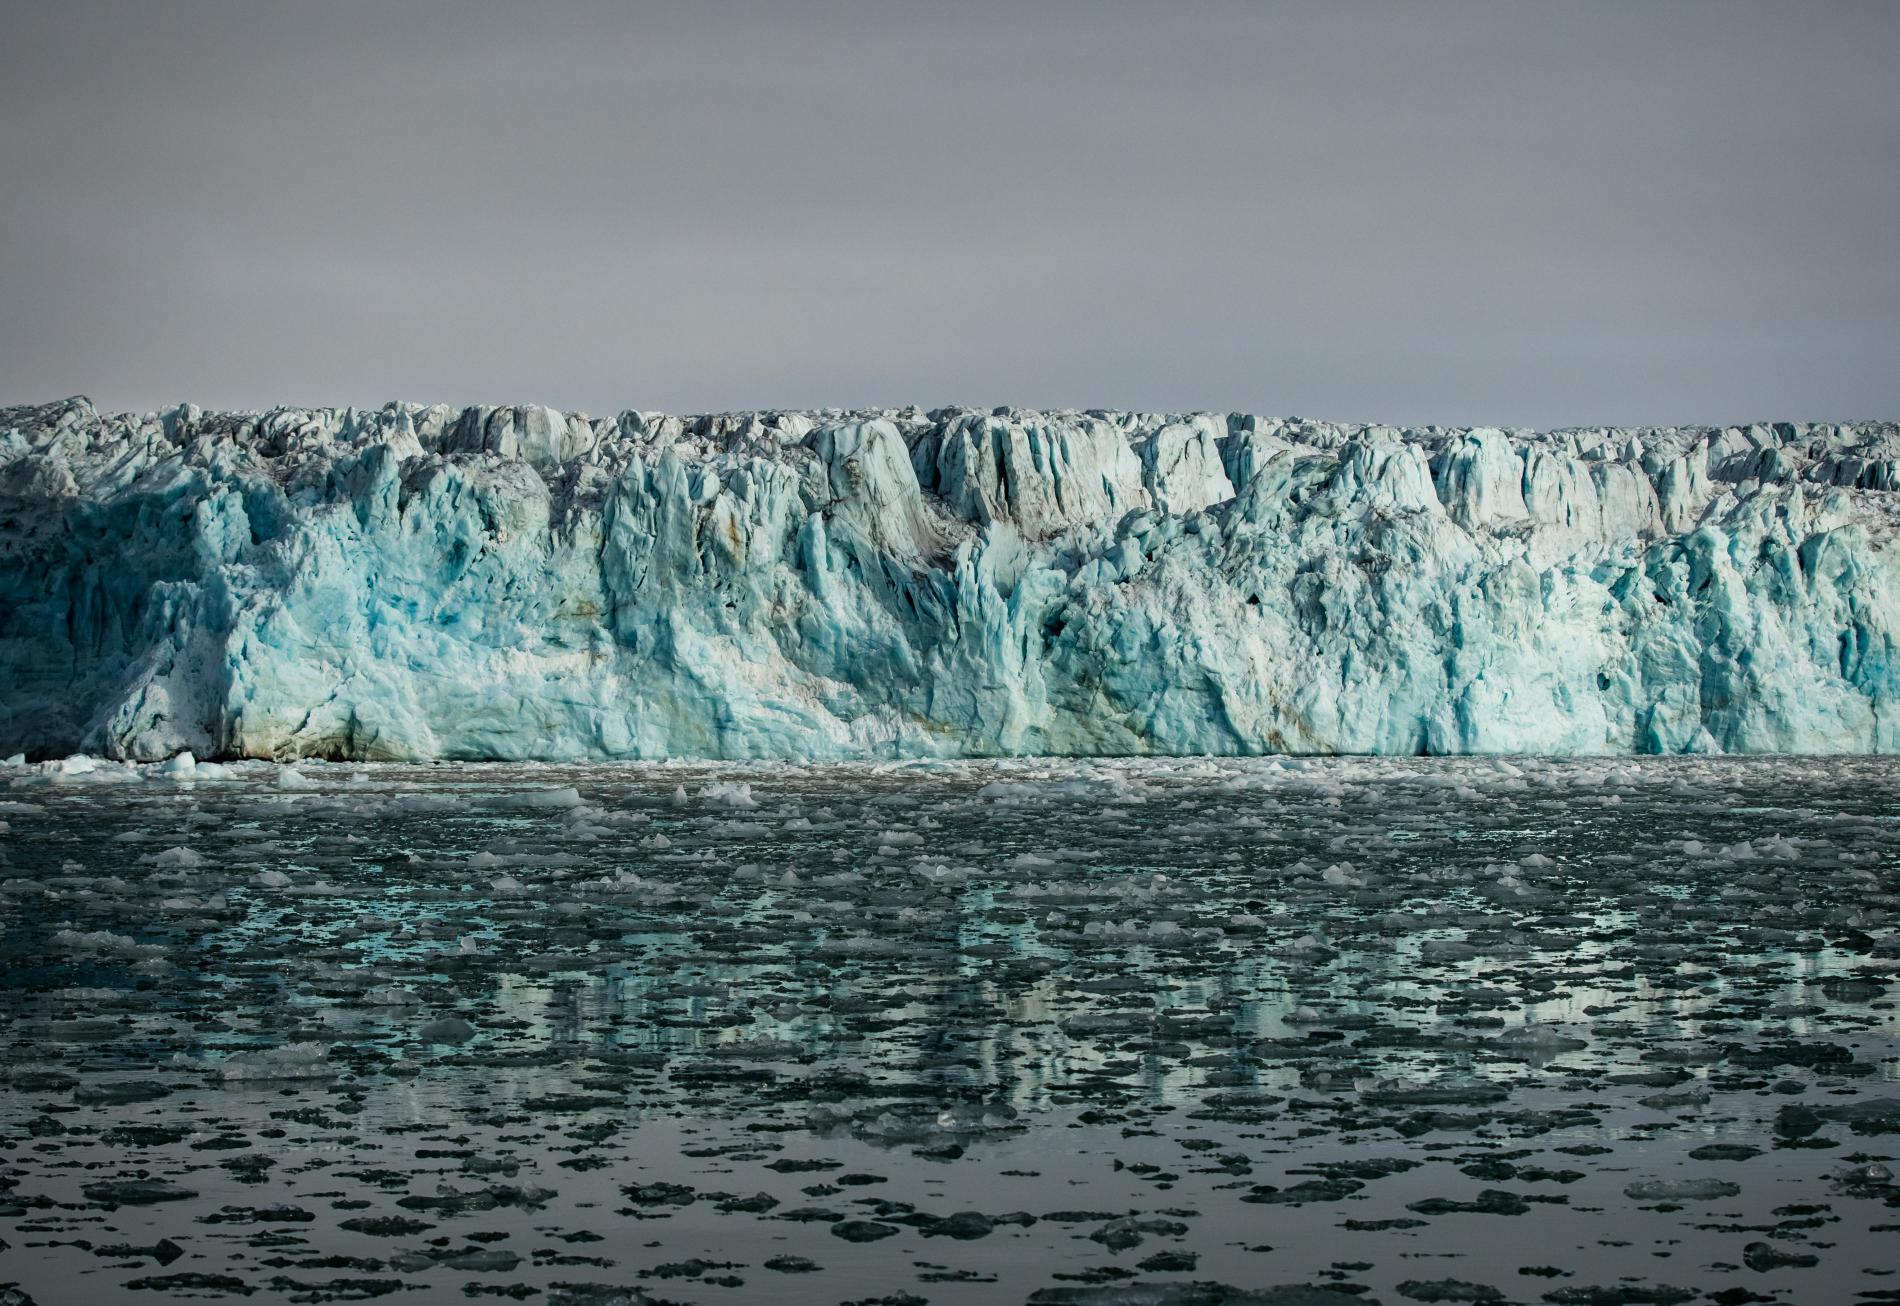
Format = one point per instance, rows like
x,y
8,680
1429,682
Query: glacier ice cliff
x,y
419,582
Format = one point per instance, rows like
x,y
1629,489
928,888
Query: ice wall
x,y
422,582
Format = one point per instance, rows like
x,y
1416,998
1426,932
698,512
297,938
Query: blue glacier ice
x,y
427,582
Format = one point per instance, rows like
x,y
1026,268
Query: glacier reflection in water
x,y
1357,1030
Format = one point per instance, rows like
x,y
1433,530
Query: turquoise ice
x,y
518,583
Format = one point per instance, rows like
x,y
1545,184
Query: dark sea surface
x,y
1171,1031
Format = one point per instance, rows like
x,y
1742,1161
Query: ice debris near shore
x,y
516,583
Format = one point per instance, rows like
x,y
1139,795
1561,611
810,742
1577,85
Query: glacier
x,y
424,582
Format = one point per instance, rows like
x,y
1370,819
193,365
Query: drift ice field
x,y
414,583
1144,1032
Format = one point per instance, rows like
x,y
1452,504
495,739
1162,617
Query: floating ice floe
x,y
288,1061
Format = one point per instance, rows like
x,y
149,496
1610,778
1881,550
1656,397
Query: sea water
x,y
1320,1031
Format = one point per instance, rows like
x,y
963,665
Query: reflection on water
x,y
1358,1030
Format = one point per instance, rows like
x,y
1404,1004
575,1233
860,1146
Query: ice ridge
x,y
520,583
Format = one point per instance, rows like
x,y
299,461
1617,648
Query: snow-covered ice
x,y
517,583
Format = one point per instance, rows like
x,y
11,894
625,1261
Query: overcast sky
x,y
1510,213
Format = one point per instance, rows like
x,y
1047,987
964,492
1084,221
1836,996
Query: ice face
x,y
518,583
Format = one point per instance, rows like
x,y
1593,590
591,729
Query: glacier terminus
x,y
414,582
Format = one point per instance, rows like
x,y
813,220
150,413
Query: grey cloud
x,y
1509,213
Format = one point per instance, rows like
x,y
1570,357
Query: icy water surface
x,y
1147,1032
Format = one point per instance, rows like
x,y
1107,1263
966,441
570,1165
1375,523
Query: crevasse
x,y
424,582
